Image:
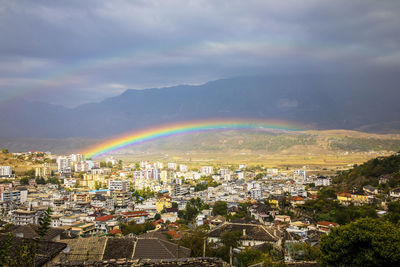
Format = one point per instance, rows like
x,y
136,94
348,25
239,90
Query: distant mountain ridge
x,y
323,102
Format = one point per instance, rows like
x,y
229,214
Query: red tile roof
x,y
104,218
327,224
115,231
138,213
297,198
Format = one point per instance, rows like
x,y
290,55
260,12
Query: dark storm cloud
x,y
71,52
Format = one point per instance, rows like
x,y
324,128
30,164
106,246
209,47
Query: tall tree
x,y
44,224
366,242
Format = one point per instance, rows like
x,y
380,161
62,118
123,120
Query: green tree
x,y
24,181
231,239
174,205
190,212
157,216
195,240
366,242
30,174
220,208
393,214
249,256
40,180
44,224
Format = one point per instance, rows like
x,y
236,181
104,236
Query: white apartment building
x,y
118,185
64,164
82,166
272,171
172,166
159,165
14,196
111,160
77,157
207,170
183,168
22,217
5,171
69,182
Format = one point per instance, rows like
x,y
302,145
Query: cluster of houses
x,y
94,200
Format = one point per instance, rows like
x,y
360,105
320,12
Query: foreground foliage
x,y
366,242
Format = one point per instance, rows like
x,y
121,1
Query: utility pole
x,y
204,247
230,255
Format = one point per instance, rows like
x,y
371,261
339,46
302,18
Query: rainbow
x,y
161,131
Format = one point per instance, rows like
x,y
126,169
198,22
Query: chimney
x,y
244,232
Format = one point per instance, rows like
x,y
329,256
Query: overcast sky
x,y
71,52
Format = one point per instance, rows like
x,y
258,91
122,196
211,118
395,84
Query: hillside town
x,y
145,212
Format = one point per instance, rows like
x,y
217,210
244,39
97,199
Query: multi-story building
x,y
22,217
5,171
121,199
19,196
64,165
207,170
118,185
159,165
172,166
71,182
100,201
162,203
77,157
82,166
183,168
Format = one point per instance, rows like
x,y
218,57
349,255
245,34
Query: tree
x,y
190,212
174,205
40,180
5,151
249,256
231,239
30,174
44,224
194,240
157,216
394,212
220,208
24,181
366,242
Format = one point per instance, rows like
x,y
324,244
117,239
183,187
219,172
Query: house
x,y
107,248
100,201
359,198
104,223
162,203
282,218
395,192
370,190
385,178
262,213
139,216
252,234
69,220
22,217
324,226
295,201
47,252
29,231
171,217
344,197
83,229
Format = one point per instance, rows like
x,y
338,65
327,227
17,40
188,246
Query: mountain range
x,y
328,101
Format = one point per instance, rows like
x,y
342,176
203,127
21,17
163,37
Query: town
x,y
236,215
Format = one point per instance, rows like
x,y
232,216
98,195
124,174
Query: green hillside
x,y
370,172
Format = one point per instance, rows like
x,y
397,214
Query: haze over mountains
x,y
322,102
